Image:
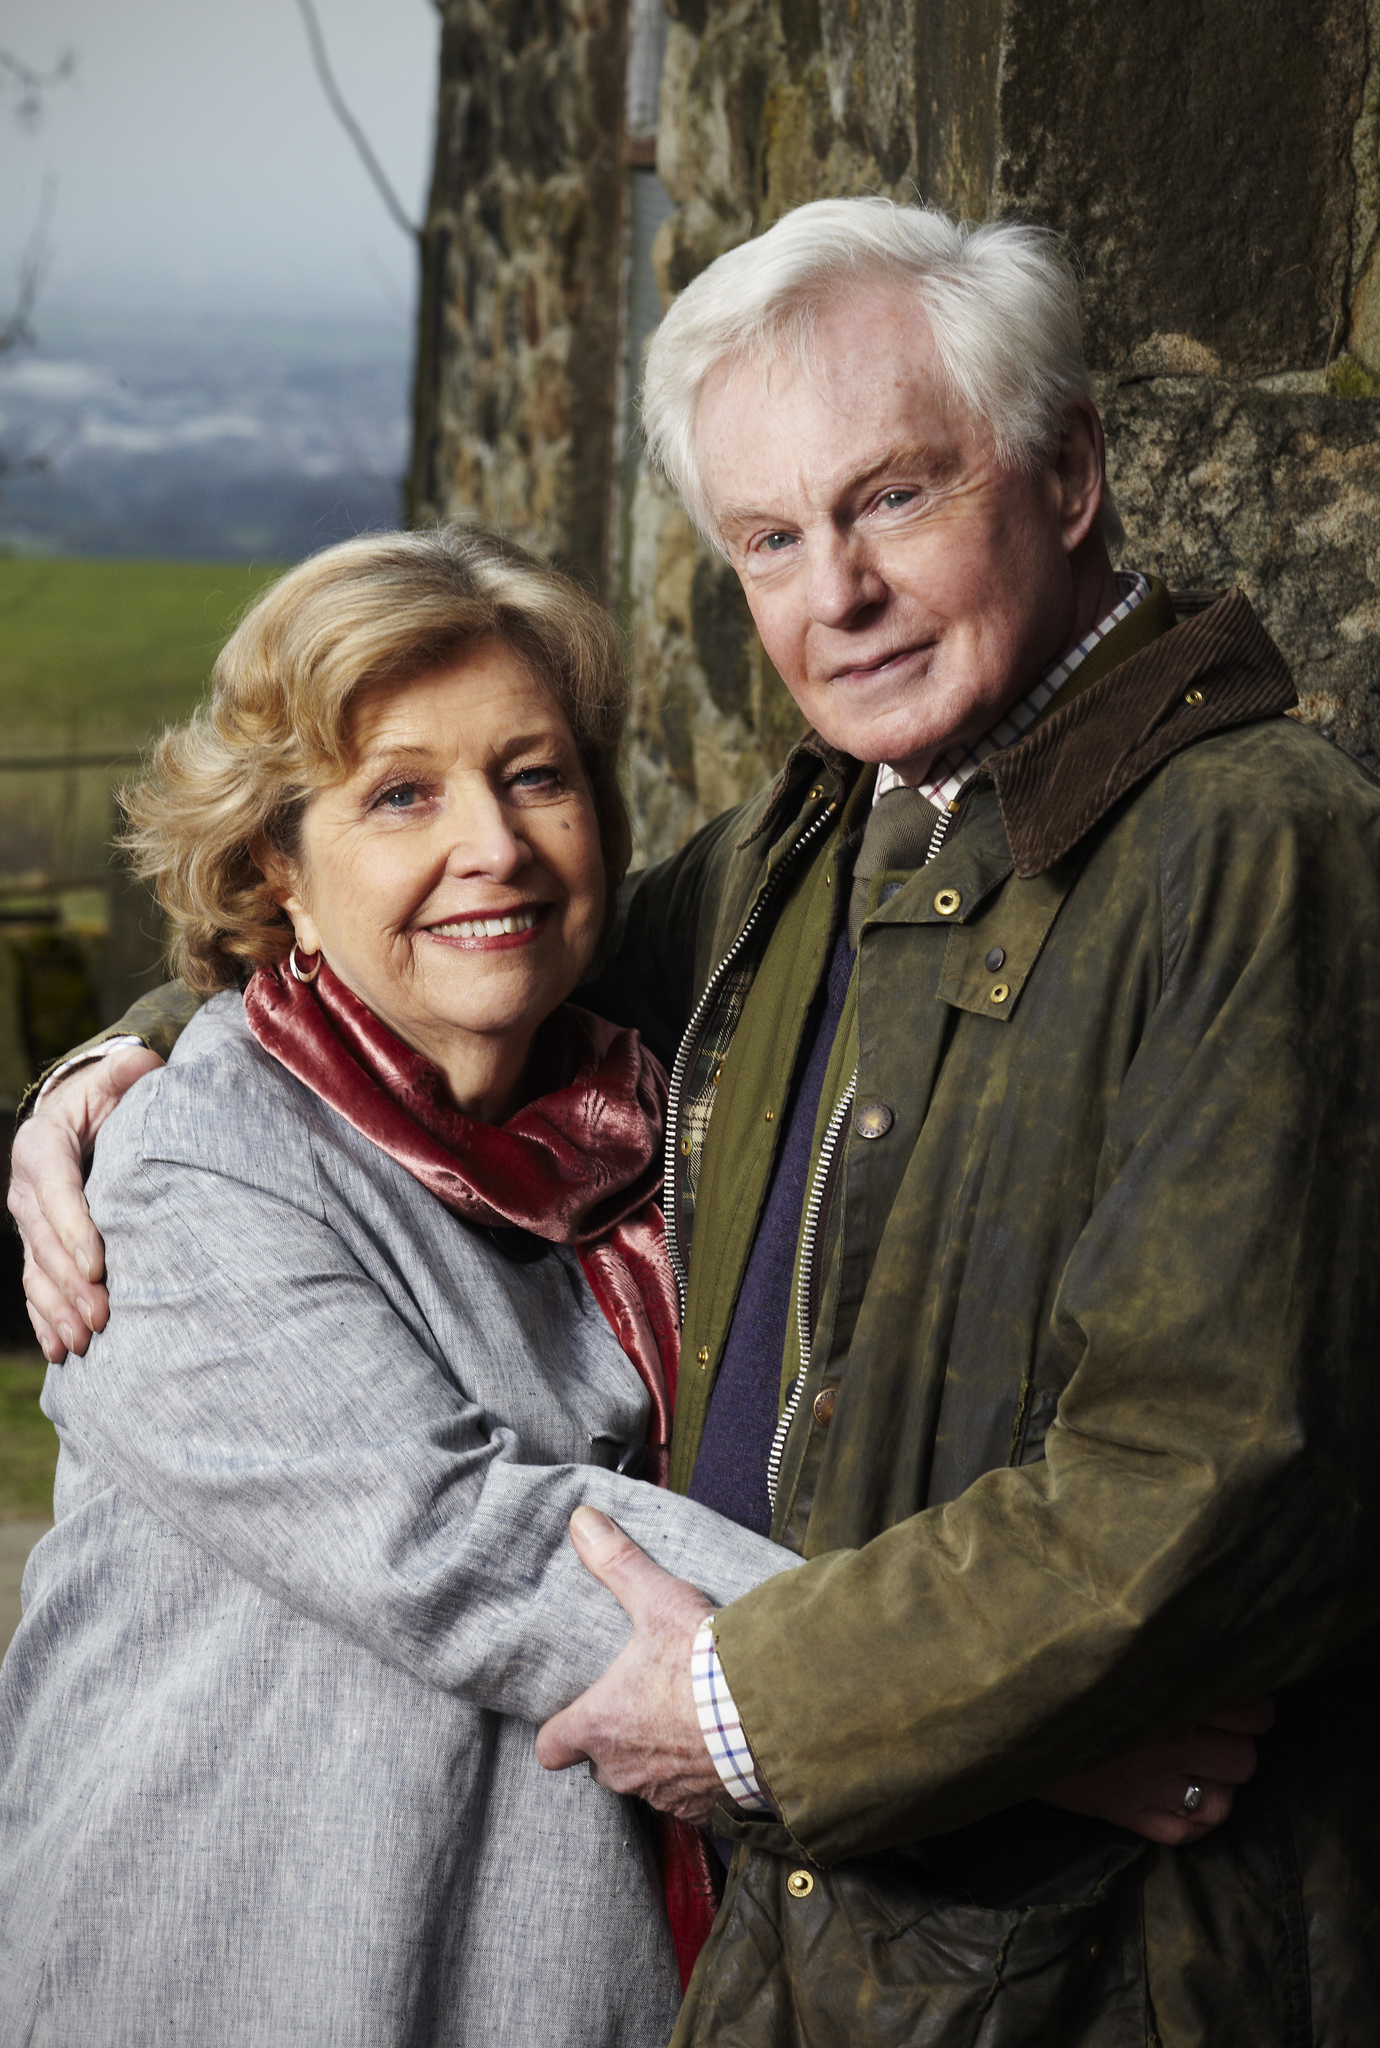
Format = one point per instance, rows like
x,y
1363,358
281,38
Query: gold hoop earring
x,y
296,972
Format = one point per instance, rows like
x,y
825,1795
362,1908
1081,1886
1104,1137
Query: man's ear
x,y
1080,465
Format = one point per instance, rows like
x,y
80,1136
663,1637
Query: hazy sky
x,y
199,168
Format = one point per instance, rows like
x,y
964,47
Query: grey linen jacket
x,y
266,1765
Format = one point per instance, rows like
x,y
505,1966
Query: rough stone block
x,y
1277,491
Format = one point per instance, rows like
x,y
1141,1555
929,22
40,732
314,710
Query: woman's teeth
x,y
486,927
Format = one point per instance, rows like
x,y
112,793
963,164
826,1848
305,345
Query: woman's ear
x,y
282,882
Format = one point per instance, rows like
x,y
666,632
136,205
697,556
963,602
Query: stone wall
x,y
1218,169
518,341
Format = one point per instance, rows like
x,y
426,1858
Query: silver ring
x,y
296,972
1193,1799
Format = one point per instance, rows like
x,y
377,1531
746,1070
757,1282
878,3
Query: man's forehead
x,y
876,336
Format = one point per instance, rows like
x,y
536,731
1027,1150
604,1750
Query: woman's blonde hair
x,y
276,727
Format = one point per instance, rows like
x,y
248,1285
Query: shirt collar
x,y
949,771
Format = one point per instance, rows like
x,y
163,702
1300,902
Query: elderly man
x,y
1024,1136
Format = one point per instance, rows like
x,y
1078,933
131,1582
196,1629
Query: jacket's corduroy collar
x,y
1215,671
1084,755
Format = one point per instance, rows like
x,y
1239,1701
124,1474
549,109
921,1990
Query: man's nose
x,y
844,580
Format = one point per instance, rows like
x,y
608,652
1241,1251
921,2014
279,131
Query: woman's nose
x,y
487,839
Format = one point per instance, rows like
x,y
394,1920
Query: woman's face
x,y
454,879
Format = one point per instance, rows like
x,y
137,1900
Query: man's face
x,y
907,586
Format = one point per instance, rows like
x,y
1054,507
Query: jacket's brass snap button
x,y
1000,992
947,902
800,1884
687,1147
874,1120
816,793
702,1355
824,1406
1193,696
1092,1948
995,959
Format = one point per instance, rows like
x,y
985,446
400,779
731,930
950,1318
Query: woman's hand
x,y
1144,1790
64,1257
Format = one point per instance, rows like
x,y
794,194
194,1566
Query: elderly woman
x,y
389,1301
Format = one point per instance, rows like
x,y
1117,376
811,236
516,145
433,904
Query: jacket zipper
x,y
804,1288
687,1050
820,1186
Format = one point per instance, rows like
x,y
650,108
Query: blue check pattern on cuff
x,y
719,1723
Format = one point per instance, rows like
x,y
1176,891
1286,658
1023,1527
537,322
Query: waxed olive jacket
x,y
1084,1442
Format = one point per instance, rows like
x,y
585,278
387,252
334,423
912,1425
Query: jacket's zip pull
x,y
827,1148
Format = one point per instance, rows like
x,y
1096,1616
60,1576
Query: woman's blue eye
x,y
400,799
533,778
774,542
892,499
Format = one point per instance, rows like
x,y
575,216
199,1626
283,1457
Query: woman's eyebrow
x,y
399,755
396,755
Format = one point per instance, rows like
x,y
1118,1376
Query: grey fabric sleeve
x,y
259,1391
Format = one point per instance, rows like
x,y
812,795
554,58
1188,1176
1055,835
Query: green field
x,y
28,1441
102,654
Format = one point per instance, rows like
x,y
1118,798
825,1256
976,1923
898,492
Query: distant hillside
x,y
224,440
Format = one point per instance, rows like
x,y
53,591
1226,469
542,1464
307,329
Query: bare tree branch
x,y
16,332
307,10
33,84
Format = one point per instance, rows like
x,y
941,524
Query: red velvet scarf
x,y
579,1165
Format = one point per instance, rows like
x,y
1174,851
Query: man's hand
x,y
637,1727
64,1258
1144,1790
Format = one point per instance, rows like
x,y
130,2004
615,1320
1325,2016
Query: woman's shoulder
x,y
221,1103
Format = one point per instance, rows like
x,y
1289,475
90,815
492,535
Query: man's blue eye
x,y
776,541
891,499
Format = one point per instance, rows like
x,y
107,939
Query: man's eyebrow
x,y
906,458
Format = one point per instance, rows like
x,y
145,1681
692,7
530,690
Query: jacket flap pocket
x,y
988,961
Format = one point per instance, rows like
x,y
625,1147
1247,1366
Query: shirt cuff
x,y
84,1059
719,1723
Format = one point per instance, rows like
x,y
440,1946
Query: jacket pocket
x,y
868,1951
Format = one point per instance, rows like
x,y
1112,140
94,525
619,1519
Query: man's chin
x,y
895,733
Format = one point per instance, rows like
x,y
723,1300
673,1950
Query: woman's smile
x,y
492,930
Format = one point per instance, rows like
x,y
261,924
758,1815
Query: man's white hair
x,y
1000,300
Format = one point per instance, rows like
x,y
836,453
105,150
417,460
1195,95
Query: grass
x,y
28,1441
101,654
